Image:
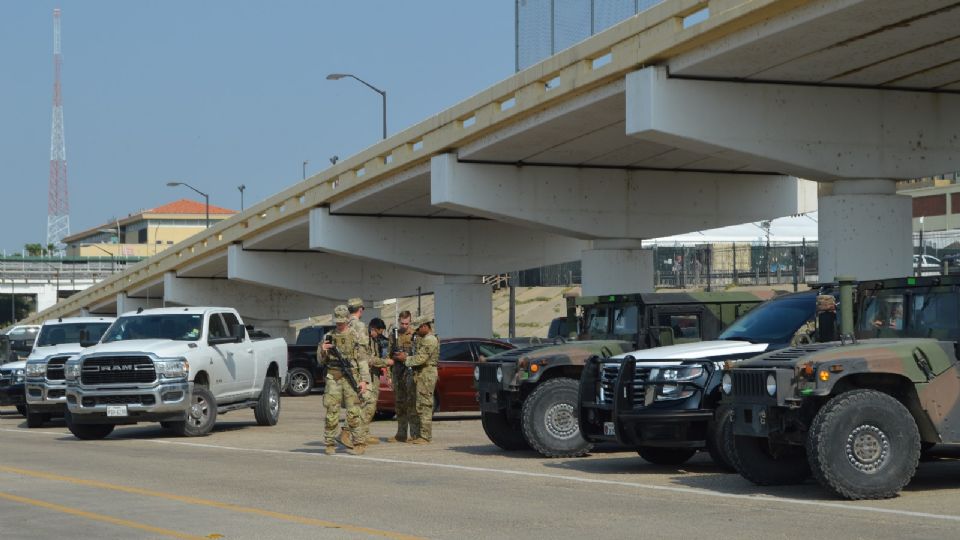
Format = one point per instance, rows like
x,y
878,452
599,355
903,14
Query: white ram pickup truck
x,y
57,341
177,366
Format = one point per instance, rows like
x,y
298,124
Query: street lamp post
x,y
113,258
206,198
241,187
305,168
383,94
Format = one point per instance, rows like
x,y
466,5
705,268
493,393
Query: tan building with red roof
x,y
146,232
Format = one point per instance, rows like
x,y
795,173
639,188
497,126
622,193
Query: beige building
x,y
937,201
145,233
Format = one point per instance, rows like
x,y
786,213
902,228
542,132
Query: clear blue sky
x,y
221,93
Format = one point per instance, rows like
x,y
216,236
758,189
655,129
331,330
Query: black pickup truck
x,y
304,373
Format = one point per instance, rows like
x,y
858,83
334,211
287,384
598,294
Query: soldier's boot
x,y
330,450
419,440
373,440
357,450
397,438
345,439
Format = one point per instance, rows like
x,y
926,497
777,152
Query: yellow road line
x,y
213,504
99,517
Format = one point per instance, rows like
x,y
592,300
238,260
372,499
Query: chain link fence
x,y
545,27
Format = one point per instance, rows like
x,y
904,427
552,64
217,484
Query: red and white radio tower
x,y
58,206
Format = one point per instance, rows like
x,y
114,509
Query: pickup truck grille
x,y
146,399
118,370
55,368
608,381
750,383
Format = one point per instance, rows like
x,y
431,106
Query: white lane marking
x,y
601,481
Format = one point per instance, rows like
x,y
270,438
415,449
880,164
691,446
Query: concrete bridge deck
x,y
826,90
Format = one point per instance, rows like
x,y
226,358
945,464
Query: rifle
x,y
395,347
342,363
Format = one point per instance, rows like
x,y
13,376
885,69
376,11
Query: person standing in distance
x,y
378,366
404,391
424,367
338,392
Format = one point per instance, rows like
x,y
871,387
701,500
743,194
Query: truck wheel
x,y
549,419
35,419
267,411
87,432
201,416
768,465
299,382
503,433
864,444
22,409
720,431
666,456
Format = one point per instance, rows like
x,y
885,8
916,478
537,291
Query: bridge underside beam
x,y
251,301
614,203
325,275
816,132
440,246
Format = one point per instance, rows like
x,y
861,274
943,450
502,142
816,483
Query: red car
x,y
455,390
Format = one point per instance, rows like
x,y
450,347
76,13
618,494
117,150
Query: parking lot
x,y
245,481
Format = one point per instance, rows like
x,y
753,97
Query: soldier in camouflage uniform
x,y
378,367
401,346
339,392
807,333
355,308
424,366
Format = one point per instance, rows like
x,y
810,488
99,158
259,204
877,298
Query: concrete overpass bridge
x,y
691,115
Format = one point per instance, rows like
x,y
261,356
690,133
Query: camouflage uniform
x,y
338,391
378,365
424,366
404,390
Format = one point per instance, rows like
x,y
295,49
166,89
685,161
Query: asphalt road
x,y
246,481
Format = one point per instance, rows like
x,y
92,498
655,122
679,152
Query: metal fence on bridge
x,y
545,27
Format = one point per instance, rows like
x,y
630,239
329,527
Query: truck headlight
x,y
18,375
476,373
677,374
726,383
71,371
172,369
499,374
36,369
771,385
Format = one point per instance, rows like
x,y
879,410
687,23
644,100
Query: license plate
x,y
116,410
608,429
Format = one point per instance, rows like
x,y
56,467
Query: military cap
x,y
422,320
355,303
341,314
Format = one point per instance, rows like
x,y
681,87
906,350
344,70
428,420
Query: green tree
x,y
33,250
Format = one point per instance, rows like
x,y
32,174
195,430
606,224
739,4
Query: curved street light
x,y
206,198
383,94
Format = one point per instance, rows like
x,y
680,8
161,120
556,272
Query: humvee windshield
x,y
610,322
911,312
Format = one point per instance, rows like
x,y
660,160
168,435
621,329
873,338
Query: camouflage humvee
x,y
855,413
528,396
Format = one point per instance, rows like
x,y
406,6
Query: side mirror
x,y
86,344
666,336
238,332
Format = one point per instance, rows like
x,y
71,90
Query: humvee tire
x,y
765,465
502,432
549,419
666,456
721,431
863,444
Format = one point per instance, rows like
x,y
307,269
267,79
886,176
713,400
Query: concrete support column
x,y
617,267
865,231
463,307
126,303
